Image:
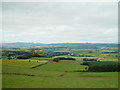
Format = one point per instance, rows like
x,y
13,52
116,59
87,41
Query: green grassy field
x,y
63,74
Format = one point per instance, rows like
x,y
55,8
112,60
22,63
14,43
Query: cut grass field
x,y
63,74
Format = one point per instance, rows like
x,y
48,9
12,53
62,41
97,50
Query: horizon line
x,y
61,42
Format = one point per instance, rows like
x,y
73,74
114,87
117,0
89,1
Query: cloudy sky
x,y
60,22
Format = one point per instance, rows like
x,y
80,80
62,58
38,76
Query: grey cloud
x,y
60,22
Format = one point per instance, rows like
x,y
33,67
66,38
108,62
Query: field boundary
x,y
38,65
17,73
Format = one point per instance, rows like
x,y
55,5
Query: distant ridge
x,y
60,45
21,44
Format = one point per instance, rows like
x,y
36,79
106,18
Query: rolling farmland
x,y
40,71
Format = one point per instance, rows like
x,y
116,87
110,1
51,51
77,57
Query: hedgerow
x,y
103,66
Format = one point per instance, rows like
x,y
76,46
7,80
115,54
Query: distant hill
x,y
60,45
21,44
85,45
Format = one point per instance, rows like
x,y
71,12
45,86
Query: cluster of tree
x,y
6,52
90,52
84,63
86,59
82,55
103,66
110,52
63,58
29,55
34,49
11,56
51,54
113,55
15,48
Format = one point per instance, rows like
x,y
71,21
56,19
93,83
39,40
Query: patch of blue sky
x,y
1,33
12,32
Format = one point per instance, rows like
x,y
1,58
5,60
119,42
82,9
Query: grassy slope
x,y
49,76
58,82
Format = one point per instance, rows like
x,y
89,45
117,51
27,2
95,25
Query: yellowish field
x,y
86,57
61,51
78,57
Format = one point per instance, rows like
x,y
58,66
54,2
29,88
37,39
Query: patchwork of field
x,y
63,74
39,70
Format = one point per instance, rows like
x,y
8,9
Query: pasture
x,y
18,73
63,74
